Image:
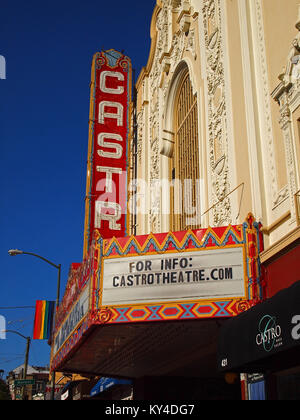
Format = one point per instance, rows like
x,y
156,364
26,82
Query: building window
x,y
185,162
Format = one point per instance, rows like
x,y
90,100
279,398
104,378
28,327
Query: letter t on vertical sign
x,y
109,130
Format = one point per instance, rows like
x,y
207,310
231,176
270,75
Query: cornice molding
x,y
280,245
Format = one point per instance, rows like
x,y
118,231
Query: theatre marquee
x,y
174,276
206,273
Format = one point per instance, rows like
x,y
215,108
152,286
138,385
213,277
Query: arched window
x,y
185,162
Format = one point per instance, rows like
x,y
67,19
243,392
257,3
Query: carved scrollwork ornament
x,y
217,110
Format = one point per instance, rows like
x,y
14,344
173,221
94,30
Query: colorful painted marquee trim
x,y
79,276
71,343
174,241
170,312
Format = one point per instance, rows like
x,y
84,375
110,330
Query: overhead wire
x,y
16,307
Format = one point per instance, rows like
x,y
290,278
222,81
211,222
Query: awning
x,y
264,338
104,383
70,385
65,393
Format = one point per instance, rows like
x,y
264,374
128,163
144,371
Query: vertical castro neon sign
x,y
106,195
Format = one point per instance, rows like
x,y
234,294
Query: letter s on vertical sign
x,y
296,329
117,154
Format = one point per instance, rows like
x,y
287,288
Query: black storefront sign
x,y
266,338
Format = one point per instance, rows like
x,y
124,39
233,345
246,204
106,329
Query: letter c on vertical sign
x,y
116,91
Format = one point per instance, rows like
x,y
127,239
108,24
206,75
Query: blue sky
x,y
44,111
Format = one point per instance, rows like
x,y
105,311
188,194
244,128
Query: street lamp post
x,y
26,356
13,252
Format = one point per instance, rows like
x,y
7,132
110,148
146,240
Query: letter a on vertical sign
x,y
109,129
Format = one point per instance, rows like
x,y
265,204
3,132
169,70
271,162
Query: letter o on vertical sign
x,y
106,208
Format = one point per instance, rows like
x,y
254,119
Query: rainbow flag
x,y
43,320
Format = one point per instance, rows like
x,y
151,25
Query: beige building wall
x,y
248,117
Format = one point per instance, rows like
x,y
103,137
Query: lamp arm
x,y
42,258
16,332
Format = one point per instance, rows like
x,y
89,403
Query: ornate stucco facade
x,y
242,58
